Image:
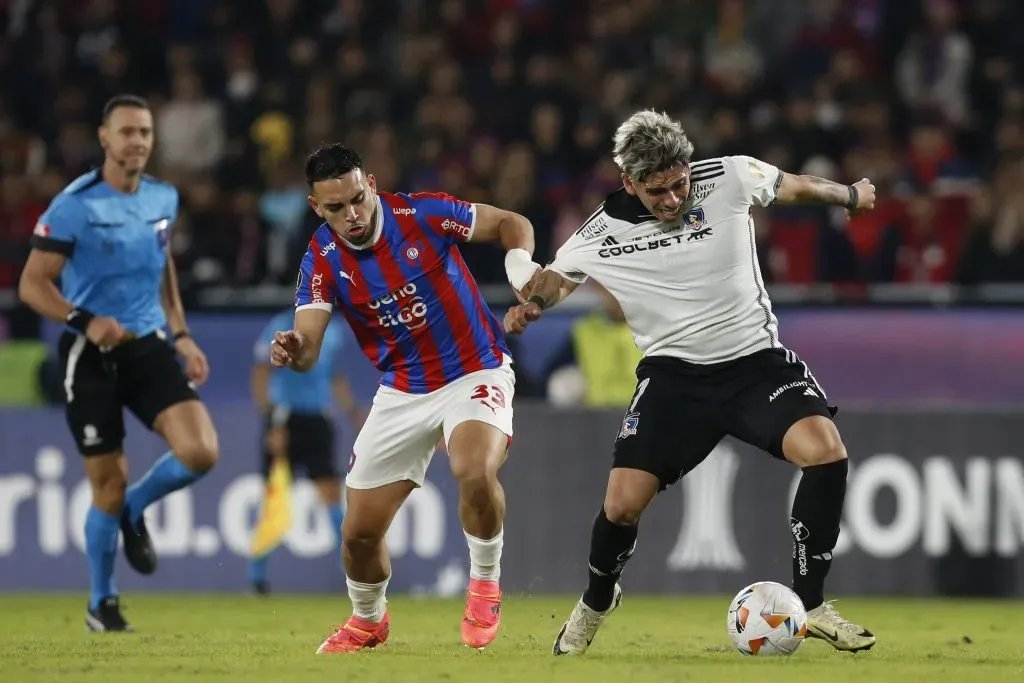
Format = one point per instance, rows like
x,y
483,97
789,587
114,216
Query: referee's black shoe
x,y
138,547
107,617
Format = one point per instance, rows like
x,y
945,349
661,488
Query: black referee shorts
x,y
310,438
142,375
680,410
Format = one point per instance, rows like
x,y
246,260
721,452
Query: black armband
x,y
537,299
78,319
182,335
854,198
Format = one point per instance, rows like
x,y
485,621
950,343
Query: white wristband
x,y
519,267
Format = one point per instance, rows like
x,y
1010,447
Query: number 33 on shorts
x,y
490,396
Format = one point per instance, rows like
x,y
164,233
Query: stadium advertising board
x,y
935,505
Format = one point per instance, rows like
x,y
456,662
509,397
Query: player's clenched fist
x,y
518,317
285,348
865,196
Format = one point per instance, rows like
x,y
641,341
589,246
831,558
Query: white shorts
x,y
402,430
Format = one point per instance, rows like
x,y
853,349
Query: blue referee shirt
x,y
116,246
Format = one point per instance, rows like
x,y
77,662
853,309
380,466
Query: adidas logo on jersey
x,y
609,241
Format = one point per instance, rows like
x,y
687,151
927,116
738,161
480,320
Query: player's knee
x,y
819,452
199,456
629,493
360,541
622,511
813,441
476,472
108,491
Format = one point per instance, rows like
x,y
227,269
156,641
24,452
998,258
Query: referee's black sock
x,y
611,546
817,511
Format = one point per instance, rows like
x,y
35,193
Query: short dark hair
x,y
331,161
123,100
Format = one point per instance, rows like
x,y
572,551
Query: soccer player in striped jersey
x,y
391,264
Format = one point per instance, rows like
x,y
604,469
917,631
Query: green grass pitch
x,y
203,638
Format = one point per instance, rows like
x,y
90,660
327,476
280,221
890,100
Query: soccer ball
x,y
767,618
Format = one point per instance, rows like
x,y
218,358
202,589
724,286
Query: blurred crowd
x,y
513,102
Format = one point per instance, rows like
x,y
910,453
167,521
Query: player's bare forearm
x,y
37,290
306,358
549,288
170,298
809,189
311,324
259,385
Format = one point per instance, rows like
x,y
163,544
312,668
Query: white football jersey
x,y
691,289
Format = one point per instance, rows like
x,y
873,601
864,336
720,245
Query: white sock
x,y
368,600
485,557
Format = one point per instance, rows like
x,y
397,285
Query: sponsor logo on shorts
x,y
90,436
808,390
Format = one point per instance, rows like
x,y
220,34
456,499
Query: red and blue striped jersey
x,y
411,301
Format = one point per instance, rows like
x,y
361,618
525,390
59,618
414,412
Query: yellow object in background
x,y
276,512
20,362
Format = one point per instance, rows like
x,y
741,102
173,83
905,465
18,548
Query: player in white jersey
x,y
675,245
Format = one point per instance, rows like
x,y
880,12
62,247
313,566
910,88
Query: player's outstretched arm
x,y
299,348
546,289
515,232
809,189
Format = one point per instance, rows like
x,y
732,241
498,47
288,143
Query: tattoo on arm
x,y
546,291
826,191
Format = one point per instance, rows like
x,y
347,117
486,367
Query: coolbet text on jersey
x,y
692,288
412,304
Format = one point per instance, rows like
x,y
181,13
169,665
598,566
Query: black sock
x,y
817,511
611,546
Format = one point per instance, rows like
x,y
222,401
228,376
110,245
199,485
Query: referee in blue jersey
x,y
298,411
105,236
